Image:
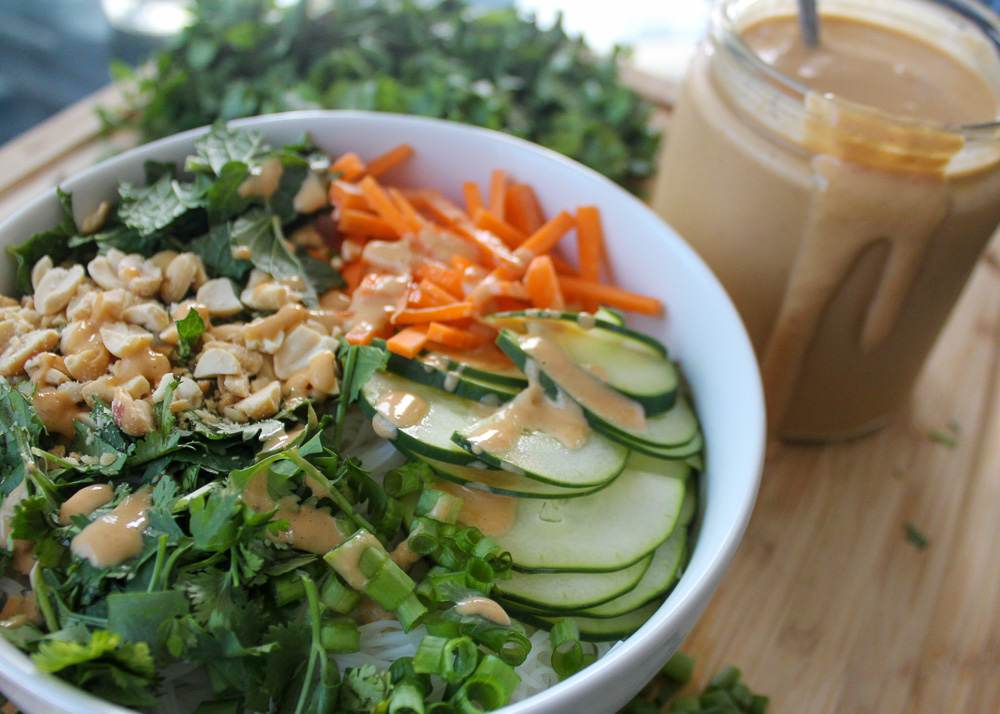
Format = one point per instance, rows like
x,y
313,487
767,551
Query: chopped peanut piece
x,y
219,297
122,339
139,275
262,404
133,416
267,333
216,362
298,350
104,274
179,276
23,347
42,266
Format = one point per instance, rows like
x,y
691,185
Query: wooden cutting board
x,y
827,607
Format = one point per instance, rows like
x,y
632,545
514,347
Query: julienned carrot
x,y
589,247
580,289
473,197
542,284
360,334
545,238
352,273
441,275
380,164
442,313
346,195
349,166
510,235
366,224
453,336
436,292
496,199
406,208
383,205
409,341
562,266
522,210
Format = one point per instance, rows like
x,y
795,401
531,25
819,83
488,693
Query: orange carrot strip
x,y
352,273
366,224
542,284
562,266
360,334
406,208
453,337
442,313
497,193
380,164
589,247
522,209
349,166
499,227
345,195
545,238
439,274
589,241
439,293
384,206
408,342
473,197
578,288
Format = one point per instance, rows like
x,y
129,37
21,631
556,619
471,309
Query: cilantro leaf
x,y
121,672
137,616
189,329
363,689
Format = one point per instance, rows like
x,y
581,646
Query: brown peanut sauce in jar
x,y
838,196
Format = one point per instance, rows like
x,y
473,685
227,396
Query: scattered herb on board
x,y
725,694
491,67
915,536
947,436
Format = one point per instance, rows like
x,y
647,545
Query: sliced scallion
x,y
567,652
452,659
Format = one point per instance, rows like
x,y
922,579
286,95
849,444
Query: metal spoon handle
x,y
809,22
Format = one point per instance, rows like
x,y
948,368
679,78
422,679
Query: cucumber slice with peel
x,y
607,530
598,629
659,577
565,592
431,436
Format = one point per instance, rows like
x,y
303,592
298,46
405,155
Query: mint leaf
x,y
189,329
54,243
215,249
167,204
261,233
221,146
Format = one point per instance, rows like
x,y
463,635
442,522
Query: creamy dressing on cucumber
x,y
116,536
532,410
491,513
403,409
587,389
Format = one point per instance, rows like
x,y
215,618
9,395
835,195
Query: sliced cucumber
x,y
541,457
673,428
659,577
584,320
562,592
431,436
689,509
454,380
627,365
607,530
684,452
499,481
598,629
498,373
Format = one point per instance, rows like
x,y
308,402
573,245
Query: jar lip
x,y
983,18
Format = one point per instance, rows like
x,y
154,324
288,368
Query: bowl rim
x,y
651,639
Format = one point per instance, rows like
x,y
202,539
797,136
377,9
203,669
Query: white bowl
x,y
701,329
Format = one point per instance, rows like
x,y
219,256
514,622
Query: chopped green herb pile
x,y
493,68
725,694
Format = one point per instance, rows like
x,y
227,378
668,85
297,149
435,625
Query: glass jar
x,y
843,222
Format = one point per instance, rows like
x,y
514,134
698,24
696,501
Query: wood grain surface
x,y
828,606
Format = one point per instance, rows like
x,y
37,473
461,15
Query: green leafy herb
x,y
189,329
494,68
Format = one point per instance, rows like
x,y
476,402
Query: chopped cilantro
x,y
915,536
